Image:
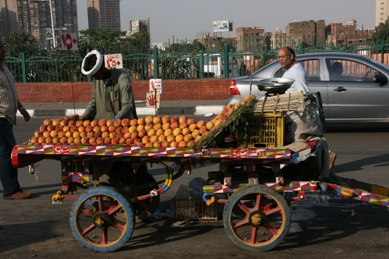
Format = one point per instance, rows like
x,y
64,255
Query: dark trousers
x,y
8,173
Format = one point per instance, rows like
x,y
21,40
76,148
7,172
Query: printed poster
x,y
155,86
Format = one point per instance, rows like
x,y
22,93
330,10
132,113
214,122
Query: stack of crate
x,y
266,121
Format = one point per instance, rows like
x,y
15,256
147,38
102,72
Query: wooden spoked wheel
x,y
256,218
102,220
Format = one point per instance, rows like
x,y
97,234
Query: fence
x,y
65,66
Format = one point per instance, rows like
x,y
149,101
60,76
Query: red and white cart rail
x,y
256,215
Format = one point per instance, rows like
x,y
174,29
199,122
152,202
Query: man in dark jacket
x,y
112,96
112,99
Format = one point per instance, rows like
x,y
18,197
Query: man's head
x,y
286,56
93,65
337,68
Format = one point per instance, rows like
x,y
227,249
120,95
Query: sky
x,y
183,20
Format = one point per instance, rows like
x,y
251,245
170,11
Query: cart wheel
x,y
145,208
102,220
256,218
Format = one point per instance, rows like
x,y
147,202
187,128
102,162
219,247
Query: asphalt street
x,y
322,226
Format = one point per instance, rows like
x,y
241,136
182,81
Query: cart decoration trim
x,y
76,177
305,186
358,194
134,151
75,172
373,188
294,186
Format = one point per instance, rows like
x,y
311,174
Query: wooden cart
x,y
256,215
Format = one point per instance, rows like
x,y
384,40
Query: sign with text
x,y
69,41
153,100
155,86
113,61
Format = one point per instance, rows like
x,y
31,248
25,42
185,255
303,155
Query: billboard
x,y
220,26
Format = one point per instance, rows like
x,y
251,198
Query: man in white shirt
x,y
294,70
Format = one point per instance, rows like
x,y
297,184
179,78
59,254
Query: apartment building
x,y
310,32
104,14
137,26
381,12
250,38
44,19
9,12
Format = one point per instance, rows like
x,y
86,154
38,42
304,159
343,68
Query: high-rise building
x,y
137,26
381,11
44,19
9,12
104,14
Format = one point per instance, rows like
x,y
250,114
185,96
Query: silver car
x,y
353,88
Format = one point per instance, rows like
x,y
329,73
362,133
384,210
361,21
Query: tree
x,y
381,35
186,47
104,40
140,42
20,41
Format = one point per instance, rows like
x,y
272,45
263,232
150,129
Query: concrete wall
x,y
202,89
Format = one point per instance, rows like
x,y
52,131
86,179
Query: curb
x,y
187,110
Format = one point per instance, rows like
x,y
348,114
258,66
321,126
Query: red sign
x,y
69,41
61,150
153,100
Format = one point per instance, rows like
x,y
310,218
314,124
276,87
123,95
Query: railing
x,y
65,67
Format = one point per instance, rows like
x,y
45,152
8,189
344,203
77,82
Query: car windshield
x,y
273,63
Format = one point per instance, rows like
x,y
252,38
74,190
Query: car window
x,y
349,70
311,66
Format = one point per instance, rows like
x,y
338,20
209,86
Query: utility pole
x,y
52,25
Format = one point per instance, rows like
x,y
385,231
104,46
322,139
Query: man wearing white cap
x,y
112,99
112,96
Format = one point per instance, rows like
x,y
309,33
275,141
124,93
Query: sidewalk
x,y
166,108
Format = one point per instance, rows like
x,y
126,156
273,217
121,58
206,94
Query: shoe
x,y
332,159
19,195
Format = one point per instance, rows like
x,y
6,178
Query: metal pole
x,y
155,55
24,68
52,24
226,59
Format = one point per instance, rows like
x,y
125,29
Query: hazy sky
x,y
188,19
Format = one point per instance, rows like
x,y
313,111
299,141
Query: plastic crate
x,y
195,209
264,130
